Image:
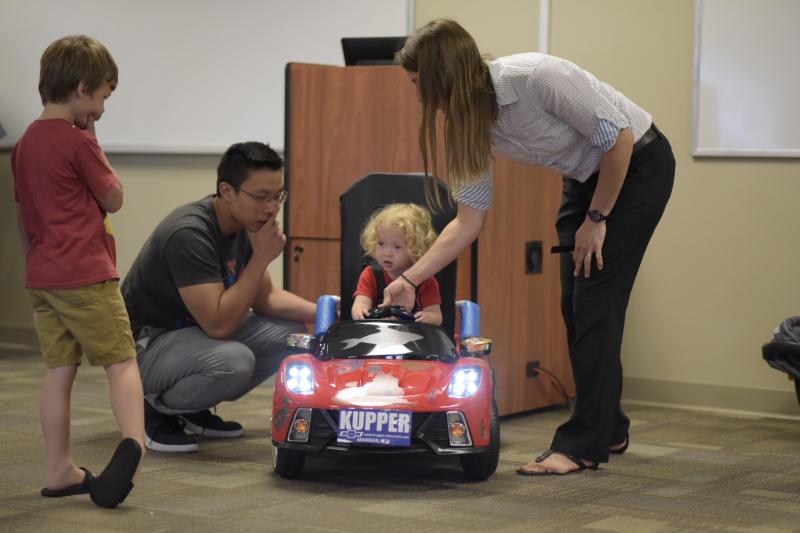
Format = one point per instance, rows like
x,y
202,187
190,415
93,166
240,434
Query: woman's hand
x,y
399,292
590,236
588,241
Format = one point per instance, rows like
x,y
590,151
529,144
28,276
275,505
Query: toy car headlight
x,y
465,382
299,379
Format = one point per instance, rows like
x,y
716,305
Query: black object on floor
x,y
783,352
112,486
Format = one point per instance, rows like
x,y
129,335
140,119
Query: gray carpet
x,y
684,471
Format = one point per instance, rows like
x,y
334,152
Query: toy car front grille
x,y
436,430
321,431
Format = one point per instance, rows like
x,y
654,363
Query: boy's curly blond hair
x,y
412,220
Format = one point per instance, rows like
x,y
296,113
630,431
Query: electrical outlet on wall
x,y
533,257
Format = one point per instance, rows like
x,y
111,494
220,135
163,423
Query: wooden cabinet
x,y
521,302
343,123
338,131
313,267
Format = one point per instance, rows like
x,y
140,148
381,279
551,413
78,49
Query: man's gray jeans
x,y
185,370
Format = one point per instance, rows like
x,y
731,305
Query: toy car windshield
x,y
386,340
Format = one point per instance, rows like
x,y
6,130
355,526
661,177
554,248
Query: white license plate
x,y
374,427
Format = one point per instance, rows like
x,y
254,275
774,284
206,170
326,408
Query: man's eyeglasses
x,y
277,198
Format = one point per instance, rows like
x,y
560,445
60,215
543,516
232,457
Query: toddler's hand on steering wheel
x,y
392,312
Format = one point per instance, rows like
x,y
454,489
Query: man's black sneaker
x,y
164,433
208,424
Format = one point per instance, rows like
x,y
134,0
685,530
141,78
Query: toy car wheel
x,y
479,466
287,463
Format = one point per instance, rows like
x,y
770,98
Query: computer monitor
x,y
371,50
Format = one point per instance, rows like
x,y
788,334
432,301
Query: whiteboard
x,y
747,78
195,75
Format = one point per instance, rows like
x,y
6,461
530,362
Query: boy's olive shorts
x,y
89,320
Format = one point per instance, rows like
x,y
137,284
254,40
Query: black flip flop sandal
x,y
581,465
84,487
112,486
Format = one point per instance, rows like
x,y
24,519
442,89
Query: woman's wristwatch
x,y
595,215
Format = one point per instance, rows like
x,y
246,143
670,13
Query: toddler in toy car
x,y
396,237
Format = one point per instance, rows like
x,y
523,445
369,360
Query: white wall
x,y
195,75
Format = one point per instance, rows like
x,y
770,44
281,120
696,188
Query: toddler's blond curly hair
x,y
412,220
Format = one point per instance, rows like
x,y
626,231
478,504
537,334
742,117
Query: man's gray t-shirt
x,y
186,248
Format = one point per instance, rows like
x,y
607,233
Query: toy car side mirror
x,y
303,341
476,346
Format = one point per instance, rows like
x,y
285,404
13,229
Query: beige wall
x,y
14,309
722,268
501,27
721,271
154,186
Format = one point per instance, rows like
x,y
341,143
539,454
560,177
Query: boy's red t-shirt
x,y
427,294
59,171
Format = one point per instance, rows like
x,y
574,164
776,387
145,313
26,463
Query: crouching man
x,y
208,322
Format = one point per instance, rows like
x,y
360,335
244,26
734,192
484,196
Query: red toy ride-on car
x,y
387,384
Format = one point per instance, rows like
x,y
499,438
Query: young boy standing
x,y
63,188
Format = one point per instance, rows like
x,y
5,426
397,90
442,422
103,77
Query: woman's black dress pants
x,y
594,308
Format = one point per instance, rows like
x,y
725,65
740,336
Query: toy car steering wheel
x,y
395,311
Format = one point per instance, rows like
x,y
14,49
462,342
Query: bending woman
x,y
618,172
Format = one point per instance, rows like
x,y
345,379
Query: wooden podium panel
x,y
313,266
521,311
343,123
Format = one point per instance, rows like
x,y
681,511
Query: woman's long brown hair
x,y
452,77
